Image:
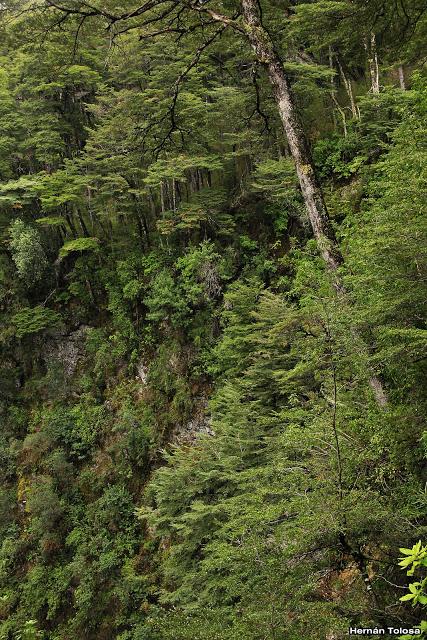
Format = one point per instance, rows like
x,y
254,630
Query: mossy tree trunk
x,y
323,231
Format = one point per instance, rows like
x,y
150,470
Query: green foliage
x,y
189,441
412,561
27,252
29,631
80,244
275,178
386,250
51,221
33,320
240,513
194,283
339,156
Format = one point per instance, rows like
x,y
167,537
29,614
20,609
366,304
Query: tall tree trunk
x,y
82,224
173,195
374,71
162,197
140,230
324,234
146,229
334,95
332,81
376,84
349,88
69,219
152,204
402,78
312,194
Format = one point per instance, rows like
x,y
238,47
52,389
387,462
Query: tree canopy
x,y
212,318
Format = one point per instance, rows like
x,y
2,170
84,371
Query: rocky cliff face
x,y
66,350
200,423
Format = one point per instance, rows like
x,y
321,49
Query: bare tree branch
x,y
176,87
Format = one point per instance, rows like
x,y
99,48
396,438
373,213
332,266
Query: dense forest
x,y
213,296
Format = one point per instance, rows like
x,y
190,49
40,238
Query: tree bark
x,y
324,234
69,219
162,197
402,78
312,194
82,224
374,71
348,87
332,81
334,96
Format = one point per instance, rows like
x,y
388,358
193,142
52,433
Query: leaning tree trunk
x,y
311,191
318,215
